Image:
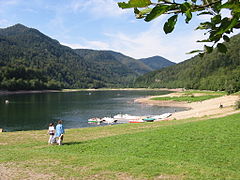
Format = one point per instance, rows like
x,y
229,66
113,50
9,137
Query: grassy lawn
x,y
186,98
190,92
189,96
183,149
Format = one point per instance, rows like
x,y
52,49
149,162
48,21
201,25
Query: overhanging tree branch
x,y
218,27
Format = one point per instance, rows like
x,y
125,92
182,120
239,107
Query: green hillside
x,y
31,60
215,71
125,62
157,62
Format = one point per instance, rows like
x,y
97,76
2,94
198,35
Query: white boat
x,y
125,117
129,118
94,121
109,120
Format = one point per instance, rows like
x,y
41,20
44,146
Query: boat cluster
x,y
126,118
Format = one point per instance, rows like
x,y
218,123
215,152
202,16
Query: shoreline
x,y
28,92
2,92
205,108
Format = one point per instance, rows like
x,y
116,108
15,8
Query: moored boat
x,y
149,119
136,121
94,121
109,120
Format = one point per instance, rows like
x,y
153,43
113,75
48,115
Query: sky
x,y
102,25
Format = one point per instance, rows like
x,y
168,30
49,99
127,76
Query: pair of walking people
x,y
56,136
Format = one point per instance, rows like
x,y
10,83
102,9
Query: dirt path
x,y
209,107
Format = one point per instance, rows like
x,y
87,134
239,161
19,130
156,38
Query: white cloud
x,y
152,42
98,45
4,23
5,4
98,8
74,46
9,2
146,44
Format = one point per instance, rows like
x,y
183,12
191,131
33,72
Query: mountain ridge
x,y
156,62
24,49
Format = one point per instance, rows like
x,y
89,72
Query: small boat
x,y
149,119
136,121
125,117
109,120
94,121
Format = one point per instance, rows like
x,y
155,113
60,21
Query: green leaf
x,y
188,14
156,11
221,48
134,3
226,38
185,7
227,24
205,25
142,13
205,13
194,51
145,11
208,49
170,24
231,5
136,11
216,19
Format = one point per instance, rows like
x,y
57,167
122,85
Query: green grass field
x,y
183,149
188,96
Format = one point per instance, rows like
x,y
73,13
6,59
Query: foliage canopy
x,y
218,28
215,71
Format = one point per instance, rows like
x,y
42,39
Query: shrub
x,y
237,104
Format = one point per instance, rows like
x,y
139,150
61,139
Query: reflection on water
x,y
36,111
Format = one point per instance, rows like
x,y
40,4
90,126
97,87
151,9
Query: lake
x,y
36,111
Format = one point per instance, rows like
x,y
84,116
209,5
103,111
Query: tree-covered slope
x,y
215,71
113,61
157,62
32,60
24,51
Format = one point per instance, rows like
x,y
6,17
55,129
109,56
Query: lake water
x,y
36,111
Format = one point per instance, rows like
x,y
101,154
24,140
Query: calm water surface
x,y
36,111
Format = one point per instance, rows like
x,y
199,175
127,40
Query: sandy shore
x,y
198,109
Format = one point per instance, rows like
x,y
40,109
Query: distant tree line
x,y
215,71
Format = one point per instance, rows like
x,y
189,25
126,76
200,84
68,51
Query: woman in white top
x,y
51,132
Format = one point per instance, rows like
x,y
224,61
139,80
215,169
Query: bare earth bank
x,y
198,109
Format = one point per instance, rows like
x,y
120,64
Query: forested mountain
x,y
114,60
215,71
32,60
156,62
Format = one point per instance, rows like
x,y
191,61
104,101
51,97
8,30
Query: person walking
x,y
51,132
59,132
